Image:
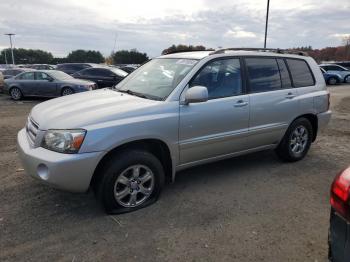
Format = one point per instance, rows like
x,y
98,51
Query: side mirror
x,y
196,94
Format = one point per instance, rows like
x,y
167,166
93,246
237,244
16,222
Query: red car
x,y
339,230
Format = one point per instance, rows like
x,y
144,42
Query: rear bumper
x,y
70,172
323,119
339,238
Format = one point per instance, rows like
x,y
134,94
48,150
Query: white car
x,y
337,69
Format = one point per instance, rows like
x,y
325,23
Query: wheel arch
x,y
345,78
155,146
314,123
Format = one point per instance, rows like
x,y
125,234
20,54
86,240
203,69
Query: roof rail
x,y
274,50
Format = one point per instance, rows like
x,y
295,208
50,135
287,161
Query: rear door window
x,y
301,73
263,74
42,76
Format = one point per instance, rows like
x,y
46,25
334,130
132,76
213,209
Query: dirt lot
x,y
251,208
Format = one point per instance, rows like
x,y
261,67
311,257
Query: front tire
x,y
16,93
130,180
296,141
67,91
332,81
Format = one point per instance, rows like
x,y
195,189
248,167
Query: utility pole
x,y
115,42
10,36
267,21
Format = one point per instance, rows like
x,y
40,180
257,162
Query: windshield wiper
x,y
133,93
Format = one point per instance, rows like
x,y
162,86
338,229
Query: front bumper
x,y
323,119
70,172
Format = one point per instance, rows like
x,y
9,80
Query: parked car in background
x,y
337,69
42,67
45,83
345,64
174,112
128,68
331,79
339,230
102,76
71,68
1,82
8,73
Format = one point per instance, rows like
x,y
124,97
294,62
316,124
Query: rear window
x,y
263,74
300,72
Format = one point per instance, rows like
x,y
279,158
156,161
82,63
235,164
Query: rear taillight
x,y
340,194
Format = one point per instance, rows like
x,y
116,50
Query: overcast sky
x,y
153,25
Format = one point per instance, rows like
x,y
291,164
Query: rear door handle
x,y
241,103
290,95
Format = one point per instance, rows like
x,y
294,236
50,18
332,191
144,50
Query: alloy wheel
x,y
298,140
67,91
134,186
16,93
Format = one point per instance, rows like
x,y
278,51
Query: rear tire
x,y
67,91
130,180
347,79
296,141
332,81
16,93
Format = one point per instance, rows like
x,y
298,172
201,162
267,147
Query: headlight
x,y
64,141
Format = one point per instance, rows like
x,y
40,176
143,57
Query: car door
x,y
105,77
218,126
26,83
273,100
45,85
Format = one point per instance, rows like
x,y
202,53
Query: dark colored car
x,y
331,78
128,69
339,230
45,83
71,68
102,76
8,73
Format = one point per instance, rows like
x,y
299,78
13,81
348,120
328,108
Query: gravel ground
x,y
250,208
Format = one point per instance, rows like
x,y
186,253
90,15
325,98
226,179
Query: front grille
x,y
32,130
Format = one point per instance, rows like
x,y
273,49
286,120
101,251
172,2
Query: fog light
x,y
43,171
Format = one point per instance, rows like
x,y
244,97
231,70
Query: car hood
x,y
89,108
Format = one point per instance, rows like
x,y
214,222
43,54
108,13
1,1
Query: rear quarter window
x,y
300,72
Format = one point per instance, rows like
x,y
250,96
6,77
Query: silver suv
x,y
174,112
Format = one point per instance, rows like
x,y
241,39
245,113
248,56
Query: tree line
x,y
36,56
133,56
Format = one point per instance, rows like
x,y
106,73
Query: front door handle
x,y
241,103
290,95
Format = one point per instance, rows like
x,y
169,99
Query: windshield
x,y
157,78
60,75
